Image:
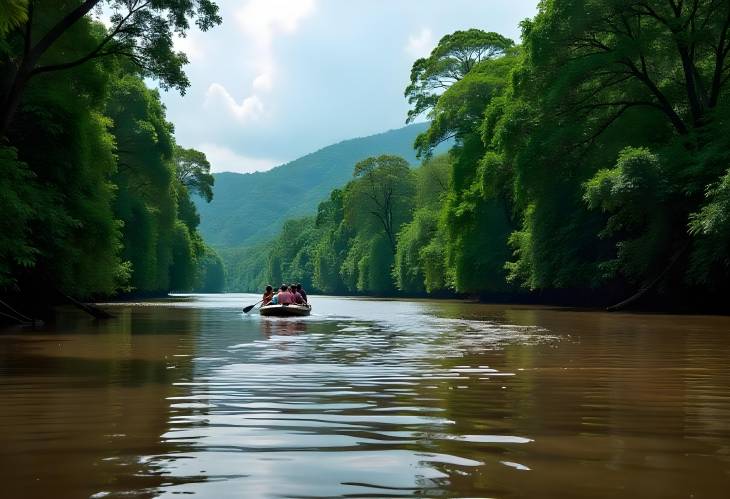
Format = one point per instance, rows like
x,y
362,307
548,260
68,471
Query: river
x,y
365,398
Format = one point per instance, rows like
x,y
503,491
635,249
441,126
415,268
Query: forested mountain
x,y
250,208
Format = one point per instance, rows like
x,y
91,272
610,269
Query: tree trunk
x,y
694,98
11,96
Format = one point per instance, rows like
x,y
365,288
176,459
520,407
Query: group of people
x,y
287,295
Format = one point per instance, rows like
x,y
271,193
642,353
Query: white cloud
x,y
223,159
264,81
102,14
420,44
217,97
260,21
308,63
190,44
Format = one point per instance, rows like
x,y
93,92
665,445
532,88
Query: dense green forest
x,y
233,220
590,164
94,191
349,245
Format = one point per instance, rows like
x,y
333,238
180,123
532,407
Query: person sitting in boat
x,y
268,295
298,298
275,298
284,296
301,291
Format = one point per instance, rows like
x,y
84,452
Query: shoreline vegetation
x,y
590,164
589,167
94,190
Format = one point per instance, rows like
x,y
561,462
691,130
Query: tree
x,y
419,259
710,226
610,56
63,136
211,272
290,254
331,248
639,84
147,188
587,164
408,270
459,110
89,187
465,73
141,31
383,192
18,195
193,171
454,57
632,193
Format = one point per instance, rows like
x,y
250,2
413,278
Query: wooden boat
x,y
285,310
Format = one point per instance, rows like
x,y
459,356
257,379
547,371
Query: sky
x,y
283,78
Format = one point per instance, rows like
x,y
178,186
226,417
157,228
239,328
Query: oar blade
x,y
249,308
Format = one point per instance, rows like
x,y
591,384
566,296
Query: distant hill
x,y
250,208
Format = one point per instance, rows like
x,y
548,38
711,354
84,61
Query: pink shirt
x,y
297,297
285,298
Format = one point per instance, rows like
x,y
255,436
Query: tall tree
x,y
383,192
454,56
666,55
639,84
146,200
193,171
419,260
464,74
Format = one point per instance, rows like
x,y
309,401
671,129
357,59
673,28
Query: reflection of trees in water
x,y
613,395
633,399
96,402
284,327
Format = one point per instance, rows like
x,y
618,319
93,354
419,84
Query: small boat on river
x,y
285,310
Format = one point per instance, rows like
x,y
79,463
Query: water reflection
x,y
82,400
282,326
366,398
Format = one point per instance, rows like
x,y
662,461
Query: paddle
x,y
248,309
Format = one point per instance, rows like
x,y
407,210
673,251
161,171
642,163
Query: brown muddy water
x,y
365,398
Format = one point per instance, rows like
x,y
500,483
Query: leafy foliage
x,y
15,13
92,198
591,161
193,171
17,205
140,32
380,201
453,58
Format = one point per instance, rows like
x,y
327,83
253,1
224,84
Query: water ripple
x,y
343,398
